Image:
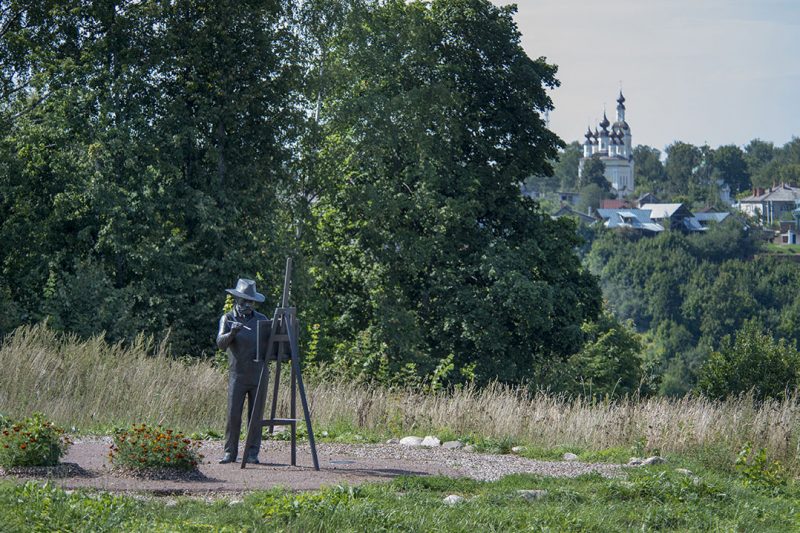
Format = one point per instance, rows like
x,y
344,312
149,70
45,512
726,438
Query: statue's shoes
x,y
253,459
227,458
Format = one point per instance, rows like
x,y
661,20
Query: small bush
x,y
144,446
755,361
756,469
34,441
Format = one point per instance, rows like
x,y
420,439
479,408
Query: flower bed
x,y
146,449
34,441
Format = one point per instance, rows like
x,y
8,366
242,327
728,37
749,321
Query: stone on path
x,y
411,441
453,445
570,457
638,461
393,441
453,499
469,448
431,442
532,495
518,449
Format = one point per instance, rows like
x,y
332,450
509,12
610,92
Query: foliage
x,y
649,174
143,447
145,150
33,441
610,362
420,251
755,469
594,174
590,198
731,165
687,292
280,505
753,361
565,168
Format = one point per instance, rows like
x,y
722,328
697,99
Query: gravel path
x,y
339,463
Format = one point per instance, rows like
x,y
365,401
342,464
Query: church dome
x,y
605,123
621,99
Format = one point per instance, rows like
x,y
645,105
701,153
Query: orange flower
x,y
166,459
23,446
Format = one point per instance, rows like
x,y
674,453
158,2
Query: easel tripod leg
x,y
296,367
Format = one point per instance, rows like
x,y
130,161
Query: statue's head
x,y
243,307
245,296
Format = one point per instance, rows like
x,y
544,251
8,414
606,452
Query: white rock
x,y
635,461
393,441
518,449
655,460
532,495
453,445
171,503
453,499
234,502
411,441
570,457
684,471
431,442
469,448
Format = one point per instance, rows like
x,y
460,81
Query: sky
x,y
699,71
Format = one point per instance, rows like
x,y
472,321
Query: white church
x,y
614,149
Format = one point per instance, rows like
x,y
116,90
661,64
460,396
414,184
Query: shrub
x,y
144,446
756,469
755,360
34,441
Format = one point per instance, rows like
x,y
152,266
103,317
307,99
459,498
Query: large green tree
x,y
731,165
431,116
146,158
683,160
649,174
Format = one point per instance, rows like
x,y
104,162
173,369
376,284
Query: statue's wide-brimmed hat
x,y
246,288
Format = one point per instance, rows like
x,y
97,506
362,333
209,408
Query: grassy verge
x,y
91,386
773,248
657,498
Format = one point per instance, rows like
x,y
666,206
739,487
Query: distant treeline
x,y
693,174
686,293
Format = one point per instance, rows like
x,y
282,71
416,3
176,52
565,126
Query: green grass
x,y
653,498
773,248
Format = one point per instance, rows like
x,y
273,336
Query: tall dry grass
x,y
91,384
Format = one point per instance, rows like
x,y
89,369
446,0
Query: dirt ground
x,y
339,464
94,470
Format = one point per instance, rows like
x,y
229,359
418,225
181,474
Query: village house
x,y
771,205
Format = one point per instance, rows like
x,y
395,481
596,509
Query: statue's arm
x,y
224,335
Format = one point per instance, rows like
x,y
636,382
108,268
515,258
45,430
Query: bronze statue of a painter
x,y
237,335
